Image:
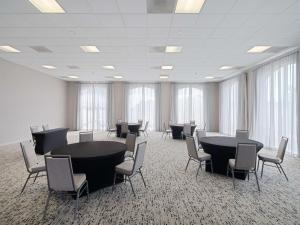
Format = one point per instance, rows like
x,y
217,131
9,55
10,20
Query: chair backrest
x,y
140,122
119,121
86,136
192,122
242,134
124,127
245,156
187,128
130,142
200,133
191,147
59,172
146,125
204,126
282,148
35,129
46,127
139,156
29,155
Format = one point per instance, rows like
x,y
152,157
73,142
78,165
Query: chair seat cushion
x,y
79,179
203,156
38,168
231,163
168,131
112,129
125,167
268,158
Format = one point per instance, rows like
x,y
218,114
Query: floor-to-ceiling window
x,y
274,113
92,107
141,103
189,105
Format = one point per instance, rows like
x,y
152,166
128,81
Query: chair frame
x,y
110,130
277,165
166,131
198,160
198,141
86,132
80,190
182,132
247,172
36,173
243,131
144,130
139,171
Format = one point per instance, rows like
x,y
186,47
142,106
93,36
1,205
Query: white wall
x,y
28,97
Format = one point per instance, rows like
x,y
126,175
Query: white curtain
x,y
232,115
142,104
93,107
274,103
188,103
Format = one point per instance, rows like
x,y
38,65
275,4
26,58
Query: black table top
x,y
91,149
50,131
228,141
130,124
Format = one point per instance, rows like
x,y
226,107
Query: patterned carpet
x,y
172,196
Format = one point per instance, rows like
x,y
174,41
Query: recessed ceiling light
x,y
166,67
225,67
108,67
118,77
163,76
258,49
73,77
173,49
209,77
89,48
49,67
47,6
189,6
7,48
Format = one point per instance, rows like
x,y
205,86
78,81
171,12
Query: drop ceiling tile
x,y
135,20
217,6
132,6
184,20
159,20
209,20
103,6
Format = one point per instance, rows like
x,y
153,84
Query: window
x,y
93,107
141,104
189,104
275,105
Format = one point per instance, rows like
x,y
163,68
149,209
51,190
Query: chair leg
x,y
77,203
256,180
262,169
200,166
211,166
46,206
248,175
87,191
36,177
142,177
187,164
25,183
115,176
227,173
233,181
131,186
283,172
278,167
257,168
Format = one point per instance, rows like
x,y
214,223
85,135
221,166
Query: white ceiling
x,y
122,30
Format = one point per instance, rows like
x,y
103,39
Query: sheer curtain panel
x,y
93,107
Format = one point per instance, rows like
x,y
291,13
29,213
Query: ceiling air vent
x,y
157,49
161,6
73,67
40,49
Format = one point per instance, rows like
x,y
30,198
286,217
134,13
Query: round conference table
x,y
96,159
132,127
222,149
178,128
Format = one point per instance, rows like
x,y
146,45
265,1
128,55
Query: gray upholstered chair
x,y
140,122
200,133
187,130
110,129
166,131
130,145
86,136
192,122
242,134
277,160
61,178
33,166
244,162
124,129
197,156
46,127
130,168
145,129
